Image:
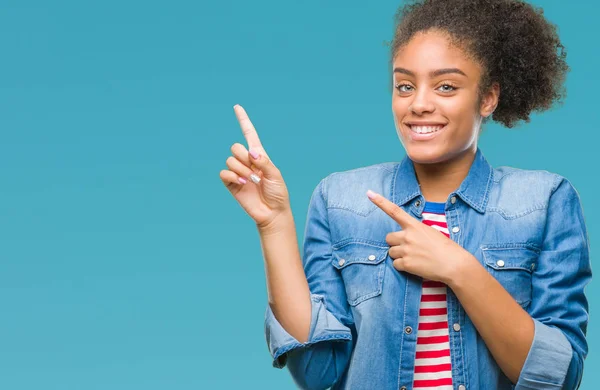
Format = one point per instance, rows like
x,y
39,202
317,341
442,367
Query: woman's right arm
x,y
287,288
320,361
307,323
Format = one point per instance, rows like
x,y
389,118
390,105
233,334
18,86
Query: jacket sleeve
x,y
559,306
322,359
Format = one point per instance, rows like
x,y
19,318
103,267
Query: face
x,y
436,105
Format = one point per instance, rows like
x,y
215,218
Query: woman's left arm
x,y
545,348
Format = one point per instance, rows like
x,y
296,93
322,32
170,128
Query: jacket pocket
x,y
513,268
362,268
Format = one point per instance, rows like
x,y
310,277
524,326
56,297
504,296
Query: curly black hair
x,y
512,41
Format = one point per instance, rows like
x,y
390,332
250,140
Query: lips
x,y
429,130
410,124
426,129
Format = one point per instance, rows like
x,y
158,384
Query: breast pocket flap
x,y
518,258
362,269
358,254
513,268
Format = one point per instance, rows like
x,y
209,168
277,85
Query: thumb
x,y
260,159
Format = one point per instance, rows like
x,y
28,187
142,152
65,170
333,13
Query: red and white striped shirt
x,y
433,369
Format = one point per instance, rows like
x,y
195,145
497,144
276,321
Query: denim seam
x,y
347,241
512,245
460,333
463,353
286,348
402,330
323,183
394,176
519,170
505,215
348,209
514,171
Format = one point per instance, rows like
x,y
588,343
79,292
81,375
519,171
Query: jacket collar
x,y
474,189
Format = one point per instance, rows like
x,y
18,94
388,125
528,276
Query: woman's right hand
x,y
264,198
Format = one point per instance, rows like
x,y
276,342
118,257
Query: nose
x,y
421,103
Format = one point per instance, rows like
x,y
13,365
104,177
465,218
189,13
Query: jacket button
x,y
456,327
453,200
532,266
371,257
455,229
408,330
403,388
462,387
417,203
500,263
341,262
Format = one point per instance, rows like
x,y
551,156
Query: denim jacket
x,y
364,310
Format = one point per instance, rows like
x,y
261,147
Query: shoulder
x,y
347,189
509,178
516,191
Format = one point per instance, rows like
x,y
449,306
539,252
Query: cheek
x,y
458,110
399,106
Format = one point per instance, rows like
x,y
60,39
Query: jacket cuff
x,y
323,326
548,359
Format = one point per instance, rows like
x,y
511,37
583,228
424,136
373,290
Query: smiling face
x,y
436,105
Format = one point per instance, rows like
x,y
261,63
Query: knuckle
x,y
388,238
266,160
235,146
226,177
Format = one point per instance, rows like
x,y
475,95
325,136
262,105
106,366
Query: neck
x,y
439,180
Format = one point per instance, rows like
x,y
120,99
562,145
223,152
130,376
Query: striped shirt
x,y
433,368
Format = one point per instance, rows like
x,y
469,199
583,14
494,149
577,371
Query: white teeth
x,y
425,129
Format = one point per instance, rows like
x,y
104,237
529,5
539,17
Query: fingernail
x,y
371,194
253,154
255,179
242,180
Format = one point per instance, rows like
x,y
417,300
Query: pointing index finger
x,y
391,209
247,128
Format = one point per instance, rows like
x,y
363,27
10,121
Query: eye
x,y
451,88
399,87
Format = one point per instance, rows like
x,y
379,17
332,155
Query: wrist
x,y
281,222
464,270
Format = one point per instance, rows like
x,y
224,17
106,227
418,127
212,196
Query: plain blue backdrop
x,y
124,261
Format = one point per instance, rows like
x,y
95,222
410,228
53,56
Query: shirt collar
x,y
474,189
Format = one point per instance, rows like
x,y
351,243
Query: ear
x,y
489,101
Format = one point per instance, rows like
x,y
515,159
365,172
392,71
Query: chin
x,y
425,154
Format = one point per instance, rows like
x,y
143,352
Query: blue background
x,y
124,261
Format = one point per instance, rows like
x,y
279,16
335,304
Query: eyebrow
x,y
432,74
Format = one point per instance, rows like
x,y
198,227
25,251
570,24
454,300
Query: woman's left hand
x,y
420,249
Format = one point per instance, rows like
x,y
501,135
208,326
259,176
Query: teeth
x,y
425,129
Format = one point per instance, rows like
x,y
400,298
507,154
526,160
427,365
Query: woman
x,y
438,272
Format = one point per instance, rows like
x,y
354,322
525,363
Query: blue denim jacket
x,y
364,310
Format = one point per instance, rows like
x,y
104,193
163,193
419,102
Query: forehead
x,y
431,50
